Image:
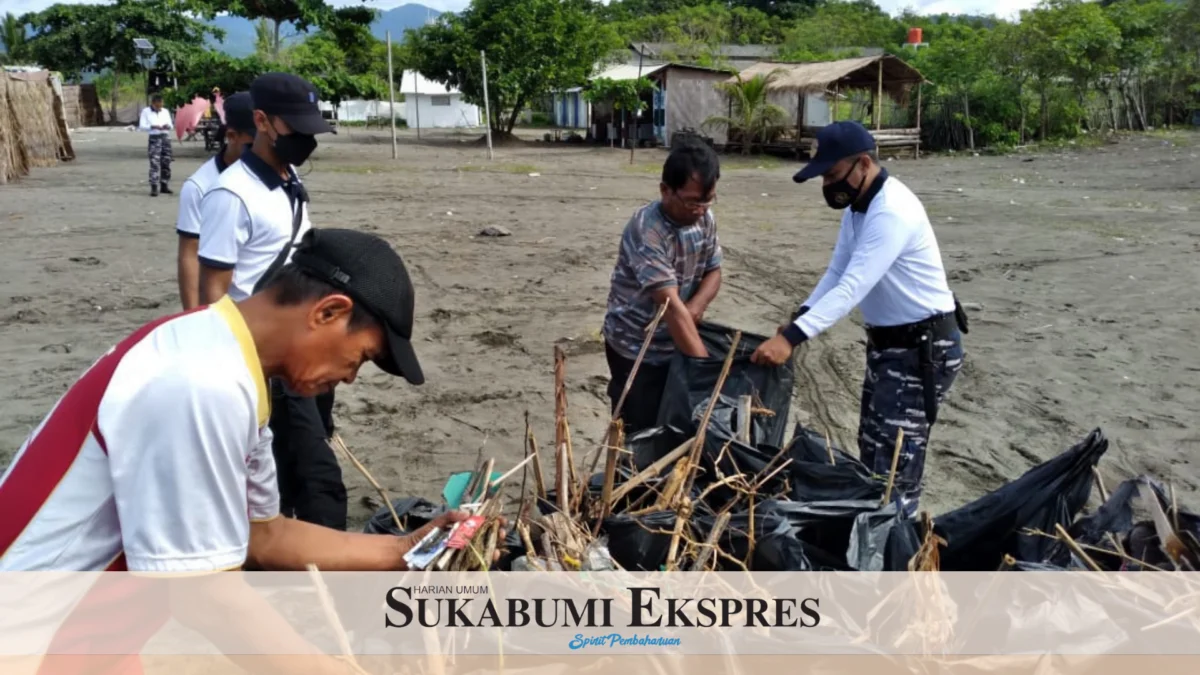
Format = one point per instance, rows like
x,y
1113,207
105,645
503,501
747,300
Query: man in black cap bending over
x,y
236,133
887,263
250,223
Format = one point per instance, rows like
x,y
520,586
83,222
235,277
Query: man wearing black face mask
x,y
887,263
250,222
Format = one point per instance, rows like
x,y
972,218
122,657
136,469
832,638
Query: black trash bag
x,y
414,513
814,479
638,543
979,535
825,528
649,445
776,548
1115,520
513,548
690,384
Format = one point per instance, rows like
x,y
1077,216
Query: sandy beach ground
x,y
1082,264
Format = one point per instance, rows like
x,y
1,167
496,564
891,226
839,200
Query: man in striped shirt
x,y
669,252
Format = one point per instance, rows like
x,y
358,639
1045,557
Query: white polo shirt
x,y
193,191
246,220
156,460
886,262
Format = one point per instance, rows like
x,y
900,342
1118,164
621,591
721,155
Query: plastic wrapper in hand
x,y
691,381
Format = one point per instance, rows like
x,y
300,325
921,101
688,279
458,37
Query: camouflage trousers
x,y
159,151
893,398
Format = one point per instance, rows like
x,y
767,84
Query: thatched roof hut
x,y
33,126
882,74
897,78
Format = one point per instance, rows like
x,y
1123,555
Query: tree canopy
x,y
533,47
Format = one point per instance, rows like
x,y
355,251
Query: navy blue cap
x,y
239,113
836,142
291,98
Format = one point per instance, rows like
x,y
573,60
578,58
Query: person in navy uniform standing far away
x,y
887,263
669,251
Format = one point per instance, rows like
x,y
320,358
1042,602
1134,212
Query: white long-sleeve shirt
x,y
150,118
886,262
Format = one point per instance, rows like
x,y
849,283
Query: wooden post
x,y
417,103
879,99
487,105
391,93
917,149
837,100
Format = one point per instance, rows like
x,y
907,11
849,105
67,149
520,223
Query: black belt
x,y
912,335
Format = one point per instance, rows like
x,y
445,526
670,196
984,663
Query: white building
x,y
358,110
435,105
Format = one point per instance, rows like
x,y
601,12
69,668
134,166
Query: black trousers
x,y
310,480
645,394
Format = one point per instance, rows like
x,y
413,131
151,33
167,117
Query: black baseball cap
x,y
836,142
370,271
291,98
239,113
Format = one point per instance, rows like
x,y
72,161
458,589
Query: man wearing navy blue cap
x,y
887,263
236,133
251,222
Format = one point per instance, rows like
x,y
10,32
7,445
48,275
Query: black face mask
x,y
294,148
840,194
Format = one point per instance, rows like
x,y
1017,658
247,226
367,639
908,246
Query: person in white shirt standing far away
x,y
157,122
236,134
887,263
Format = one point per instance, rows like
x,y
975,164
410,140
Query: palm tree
x,y
753,116
12,36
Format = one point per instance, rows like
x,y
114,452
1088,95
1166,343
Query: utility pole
x,y
637,113
391,93
487,105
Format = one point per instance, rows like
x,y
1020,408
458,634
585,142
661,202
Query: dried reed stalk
x,y
1100,484
711,542
538,477
340,445
887,494
651,471
829,449
1076,548
683,513
331,616
928,557
616,440
560,427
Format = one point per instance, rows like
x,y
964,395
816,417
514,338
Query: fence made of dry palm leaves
x,y
33,127
753,119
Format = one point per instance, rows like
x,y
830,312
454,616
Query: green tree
x,y
754,117
301,14
78,38
12,38
534,47
954,63
337,75
836,29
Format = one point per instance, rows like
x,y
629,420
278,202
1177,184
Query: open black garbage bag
x,y
1114,522
814,479
414,513
979,534
690,384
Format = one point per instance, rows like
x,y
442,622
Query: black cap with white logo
x,y
292,99
370,271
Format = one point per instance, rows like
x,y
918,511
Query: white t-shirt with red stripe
x,y
156,460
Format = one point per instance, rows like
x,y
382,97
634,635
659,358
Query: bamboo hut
x,y
796,84
33,125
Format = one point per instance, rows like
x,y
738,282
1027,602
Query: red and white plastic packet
x,y
463,531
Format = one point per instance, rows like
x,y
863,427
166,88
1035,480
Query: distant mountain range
x,y
239,32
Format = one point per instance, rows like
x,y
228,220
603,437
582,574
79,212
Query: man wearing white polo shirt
x,y
158,459
248,224
236,133
157,124
887,263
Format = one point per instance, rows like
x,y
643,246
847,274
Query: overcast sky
x,y
1001,8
